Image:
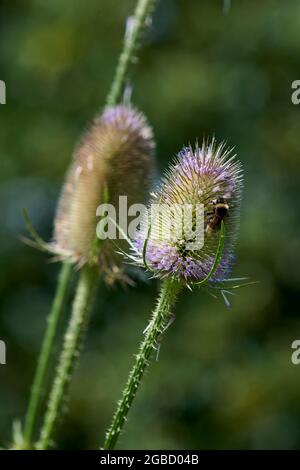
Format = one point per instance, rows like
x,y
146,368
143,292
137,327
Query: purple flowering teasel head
x,y
115,157
209,176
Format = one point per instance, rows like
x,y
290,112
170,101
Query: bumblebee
x,y
220,212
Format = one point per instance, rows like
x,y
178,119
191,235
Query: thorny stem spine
x,y
153,335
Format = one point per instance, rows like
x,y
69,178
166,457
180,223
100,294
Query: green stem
x,y
72,341
45,354
138,22
153,335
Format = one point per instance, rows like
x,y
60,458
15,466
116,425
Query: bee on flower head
x,y
220,211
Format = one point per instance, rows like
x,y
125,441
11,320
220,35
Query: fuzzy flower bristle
x,y
114,158
205,175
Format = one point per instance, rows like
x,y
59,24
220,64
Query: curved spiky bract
x,y
200,175
114,158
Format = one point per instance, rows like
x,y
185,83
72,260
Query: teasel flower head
x,y
209,176
114,158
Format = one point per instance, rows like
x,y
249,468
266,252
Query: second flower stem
x,y
45,355
72,342
153,336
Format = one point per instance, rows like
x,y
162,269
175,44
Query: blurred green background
x,y
224,379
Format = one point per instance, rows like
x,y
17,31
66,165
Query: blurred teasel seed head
x,y
115,157
209,176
